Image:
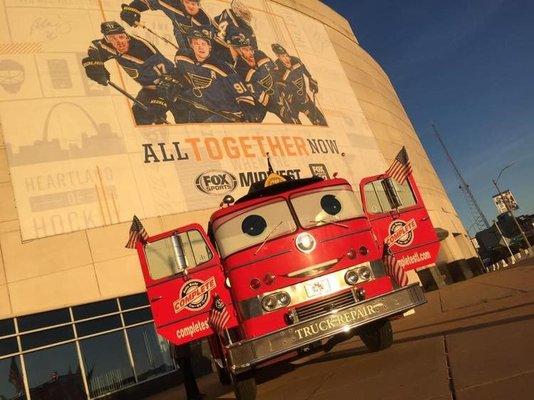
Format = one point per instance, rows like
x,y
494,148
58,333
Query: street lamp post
x,y
499,192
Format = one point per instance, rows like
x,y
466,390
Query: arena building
x,y
78,159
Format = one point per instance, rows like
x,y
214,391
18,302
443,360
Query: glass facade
x,y
81,352
54,373
150,352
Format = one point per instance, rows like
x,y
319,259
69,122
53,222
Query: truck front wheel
x,y
245,386
377,335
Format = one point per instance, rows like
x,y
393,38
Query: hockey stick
x,y
143,107
204,108
178,97
140,24
295,120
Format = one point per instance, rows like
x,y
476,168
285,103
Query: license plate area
x,y
318,287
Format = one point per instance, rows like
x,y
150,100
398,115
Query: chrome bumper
x,y
245,354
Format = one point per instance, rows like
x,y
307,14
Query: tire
x,y
377,335
245,386
224,376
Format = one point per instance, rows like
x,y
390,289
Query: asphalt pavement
x,y
473,340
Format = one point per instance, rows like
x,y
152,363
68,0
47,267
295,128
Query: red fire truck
x,y
296,263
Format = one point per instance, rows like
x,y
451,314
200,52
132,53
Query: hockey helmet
x,y
240,40
241,10
278,49
111,28
200,32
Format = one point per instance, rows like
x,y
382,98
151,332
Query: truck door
x,y
399,219
183,273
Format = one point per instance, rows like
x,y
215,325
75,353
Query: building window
x,y
133,301
106,362
95,309
112,338
46,337
151,354
137,316
8,346
98,325
54,373
7,327
44,319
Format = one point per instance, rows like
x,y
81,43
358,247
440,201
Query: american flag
x,y
219,316
15,378
137,231
400,169
393,269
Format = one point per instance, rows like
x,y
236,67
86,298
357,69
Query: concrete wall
x,y
91,265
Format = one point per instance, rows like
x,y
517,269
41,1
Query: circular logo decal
x,y
198,302
216,182
400,233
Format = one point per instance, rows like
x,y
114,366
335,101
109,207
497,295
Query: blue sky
x,y
468,66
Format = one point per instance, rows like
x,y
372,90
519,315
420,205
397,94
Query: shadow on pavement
x,y
466,328
465,318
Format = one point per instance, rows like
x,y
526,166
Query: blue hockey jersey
x,y
143,61
214,84
230,25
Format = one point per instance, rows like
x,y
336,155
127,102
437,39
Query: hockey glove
x,y
314,87
130,15
96,71
158,108
167,87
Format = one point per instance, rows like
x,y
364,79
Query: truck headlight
x,y
305,242
274,301
269,303
283,298
365,273
351,277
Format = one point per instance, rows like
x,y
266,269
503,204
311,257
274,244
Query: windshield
x,y
328,205
252,227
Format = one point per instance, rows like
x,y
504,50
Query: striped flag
x,y
219,316
15,378
393,269
137,232
400,169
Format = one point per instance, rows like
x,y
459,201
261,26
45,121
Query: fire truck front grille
x,y
325,305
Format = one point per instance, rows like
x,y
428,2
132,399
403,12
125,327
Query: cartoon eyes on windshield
x,y
330,204
253,225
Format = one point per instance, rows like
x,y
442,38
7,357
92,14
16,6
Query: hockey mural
x,y
218,73
158,107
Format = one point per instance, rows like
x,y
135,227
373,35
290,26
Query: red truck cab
x,y
295,262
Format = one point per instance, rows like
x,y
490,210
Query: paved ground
x,y
472,340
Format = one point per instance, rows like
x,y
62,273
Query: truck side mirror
x,y
178,249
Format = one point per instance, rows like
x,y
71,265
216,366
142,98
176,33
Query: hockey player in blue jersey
x,y
139,59
212,88
184,14
258,72
235,21
291,73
